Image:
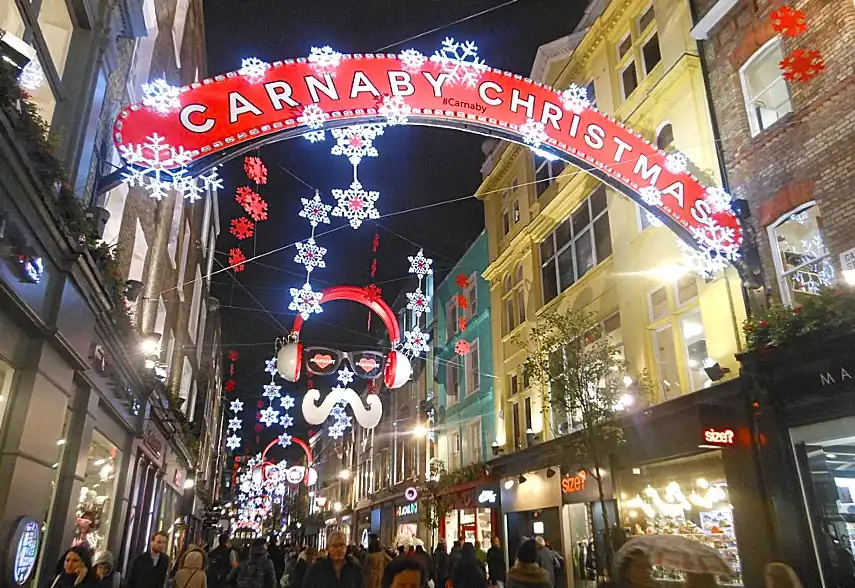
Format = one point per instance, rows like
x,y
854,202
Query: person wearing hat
x,y
526,573
191,569
74,569
105,570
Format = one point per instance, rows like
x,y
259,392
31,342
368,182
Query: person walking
x,y
74,570
191,569
105,571
423,558
498,573
526,573
301,566
480,555
149,569
221,560
546,560
256,571
404,573
454,557
375,563
440,565
468,573
336,570
274,552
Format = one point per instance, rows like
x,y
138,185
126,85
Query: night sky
x,y
417,166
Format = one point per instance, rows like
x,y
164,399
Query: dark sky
x,y
417,166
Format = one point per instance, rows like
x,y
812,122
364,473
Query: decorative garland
x,y
802,65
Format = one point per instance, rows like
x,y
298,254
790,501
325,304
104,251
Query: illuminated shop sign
x,y
411,494
22,551
577,483
719,437
487,497
407,509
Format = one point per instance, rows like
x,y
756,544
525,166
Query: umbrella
x,y
677,552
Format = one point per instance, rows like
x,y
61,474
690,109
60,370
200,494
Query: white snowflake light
x,y
284,440
315,136
356,142
161,97
324,59
345,376
651,195
718,199
533,132
271,391
236,405
418,303
395,109
287,402
460,61
32,76
313,116
411,59
706,263
270,366
315,211
253,69
306,301
310,255
234,424
269,416
718,239
575,98
416,341
286,420
420,265
676,162
355,204
233,442
158,168
653,220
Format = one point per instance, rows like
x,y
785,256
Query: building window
x,y
193,323
580,243
452,382
528,413
471,293
57,28
802,261
515,425
647,18
640,46
665,137
184,387
97,499
514,300
545,172
472,440
450,319
6,373
473,375
591,91
687,289
453,451
764,88
695,349
628,79
651,54
513,384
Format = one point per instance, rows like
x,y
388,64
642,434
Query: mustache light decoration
x,y
367,417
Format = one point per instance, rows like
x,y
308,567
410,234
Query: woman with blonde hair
x,y
780,575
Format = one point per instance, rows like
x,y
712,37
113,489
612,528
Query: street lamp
x,y
337,507
344,474
189,483
420,431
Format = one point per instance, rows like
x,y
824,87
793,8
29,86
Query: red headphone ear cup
x,y
391,366
398,370
289,361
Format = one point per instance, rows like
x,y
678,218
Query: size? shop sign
x,y
723,437
575,483
232,110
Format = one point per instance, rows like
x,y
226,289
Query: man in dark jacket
x,y
336,570
221,560
148,569
256,571
454,556
496,564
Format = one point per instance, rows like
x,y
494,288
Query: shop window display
x,y
97,495
688,497
471,524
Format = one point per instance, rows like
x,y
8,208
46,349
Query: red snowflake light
x,y
789,21
242,228
801,65
256,207
243,194
260,404
461,323
255,170
462,302
230,385
462,280
462,347
373,290
233,355
236,261
258,429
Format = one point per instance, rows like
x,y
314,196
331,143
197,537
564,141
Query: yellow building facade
x,y
559,238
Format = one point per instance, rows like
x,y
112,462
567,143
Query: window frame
x,y
513,300
452,367
642,44
451,327
542,185
780,273
753,120
473,375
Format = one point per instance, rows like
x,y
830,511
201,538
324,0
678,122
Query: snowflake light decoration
x,y
356,142
462,347
253,69
653,220
315,211
395,109
718,199
286,420
416,341
270,366
718,239
460,61
233,442
306,301
230,385
237,259
161,97
255,170
312,116
789,21
533,132
411,59
236,405
575,98
271,391
269,416
801,65
284,440
315,136
32,76
355,204
234,424
255,207
706,263
287,402
152,165
310,255
462,280
324,59
345,376
676,162
243,194
420,265
241,228
418,303
651,196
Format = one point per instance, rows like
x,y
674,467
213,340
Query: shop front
x,y
406,522
474,516
531,503
96,503
363,526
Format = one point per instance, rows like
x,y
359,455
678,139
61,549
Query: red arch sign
x,y
229,114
